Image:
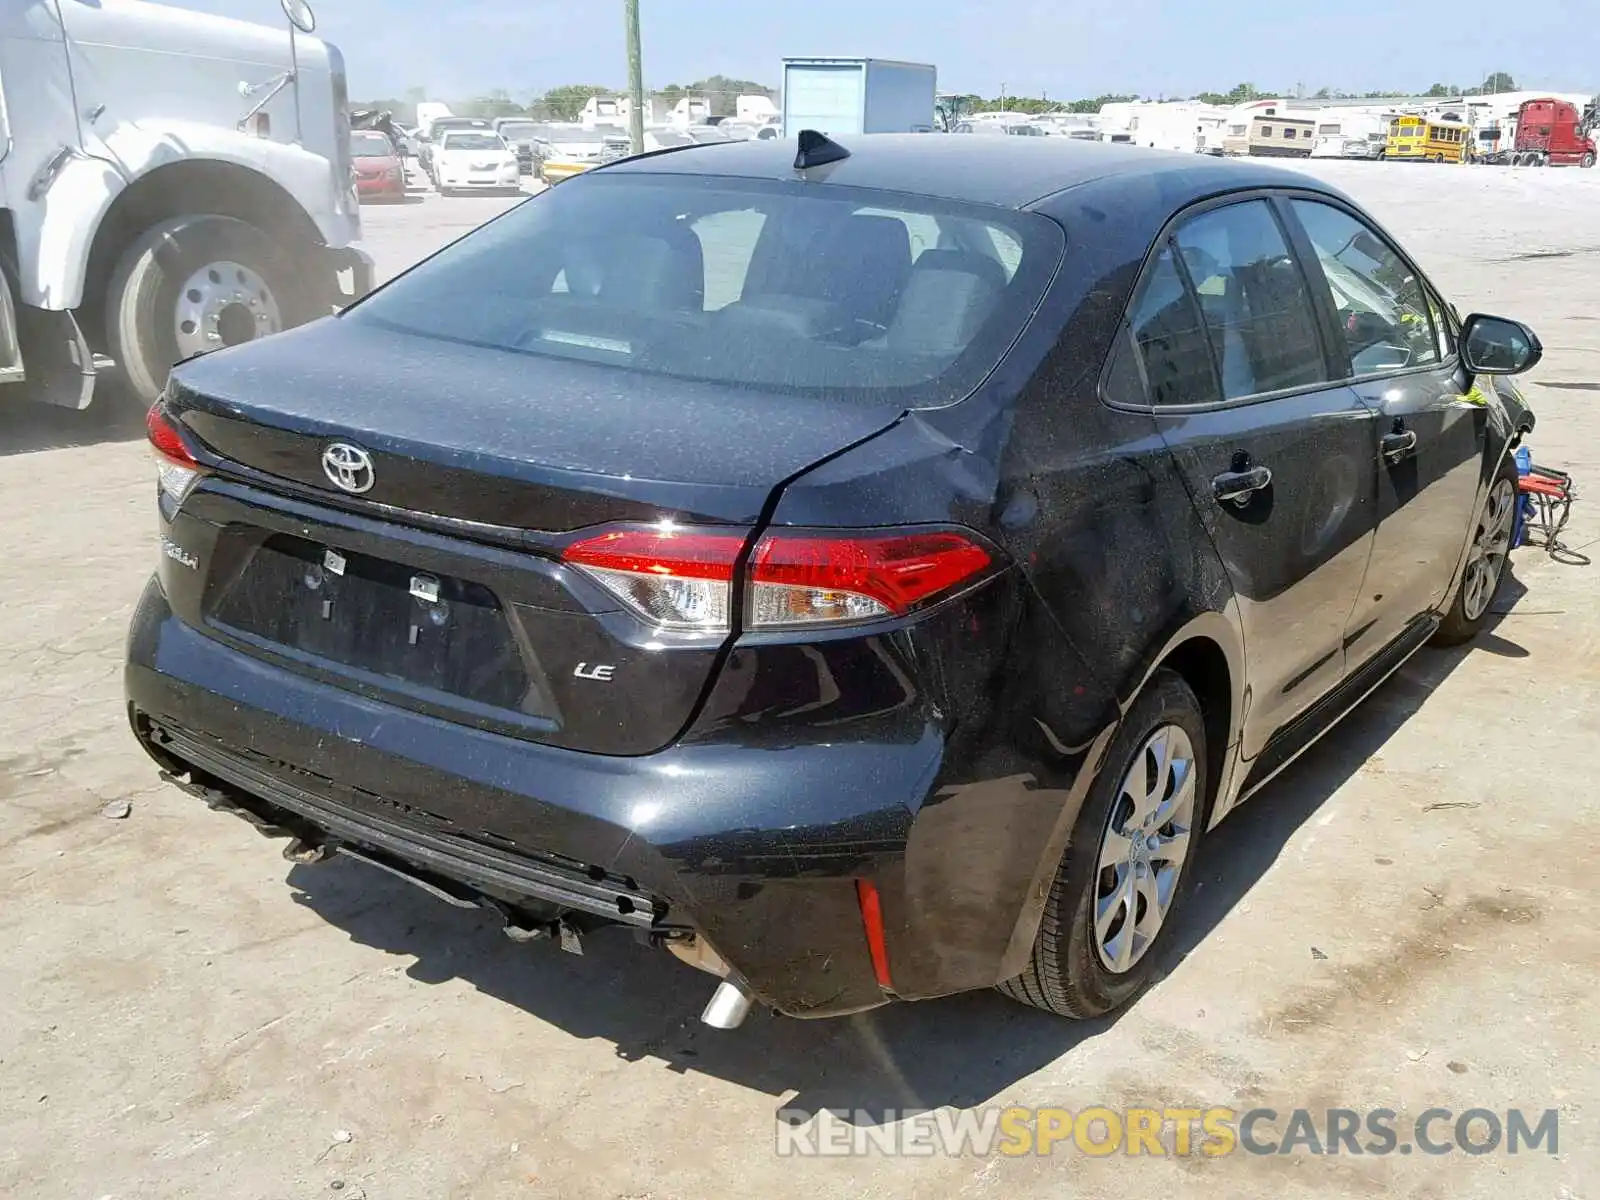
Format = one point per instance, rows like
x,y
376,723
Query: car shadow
x,y
957,1052
113,416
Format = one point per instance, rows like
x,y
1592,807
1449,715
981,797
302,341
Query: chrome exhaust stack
x,y
731,1003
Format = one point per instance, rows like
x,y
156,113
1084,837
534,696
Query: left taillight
x,y
176,468
682,578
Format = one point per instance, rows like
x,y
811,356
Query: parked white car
x,y
475,160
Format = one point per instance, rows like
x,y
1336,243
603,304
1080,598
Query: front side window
x,y
1382,308
1252,295
788,287
1441,327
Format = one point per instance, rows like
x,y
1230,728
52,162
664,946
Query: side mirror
x,y
300,15
1497,346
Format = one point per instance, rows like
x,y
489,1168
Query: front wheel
x,y
1127,866
1587,160
1487,557
192,285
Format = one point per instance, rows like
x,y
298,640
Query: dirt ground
x,y
1407,918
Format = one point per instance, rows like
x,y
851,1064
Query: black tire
x,y
1065,976
1587,160
1457,626
141,302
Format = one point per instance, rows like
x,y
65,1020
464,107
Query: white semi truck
x,y
170,183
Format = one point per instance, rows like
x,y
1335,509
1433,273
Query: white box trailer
x,y
842,96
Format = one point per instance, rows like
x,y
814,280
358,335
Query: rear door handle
x,y
1236,487
1399,444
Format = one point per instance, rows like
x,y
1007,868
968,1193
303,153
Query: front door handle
x,y
1398,444
1237,487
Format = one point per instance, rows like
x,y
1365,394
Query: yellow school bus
x,y
1421,139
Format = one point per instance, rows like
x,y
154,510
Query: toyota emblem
x,y
348,468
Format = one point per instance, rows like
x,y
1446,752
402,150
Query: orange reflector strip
x,y
872,920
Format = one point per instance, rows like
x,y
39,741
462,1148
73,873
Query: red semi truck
x,y
1553,133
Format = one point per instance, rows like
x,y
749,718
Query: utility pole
x,y
630,9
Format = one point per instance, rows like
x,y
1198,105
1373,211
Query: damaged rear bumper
x,y
694,840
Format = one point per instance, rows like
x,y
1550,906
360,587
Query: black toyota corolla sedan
x,y
865,568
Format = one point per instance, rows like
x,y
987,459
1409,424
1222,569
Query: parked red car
x,y
380,171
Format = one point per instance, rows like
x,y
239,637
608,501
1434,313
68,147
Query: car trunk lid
x,y
435,579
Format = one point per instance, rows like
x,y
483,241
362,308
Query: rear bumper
x,y
757,850
479,185
380,187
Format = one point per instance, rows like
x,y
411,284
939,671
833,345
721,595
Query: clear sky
x,y
1065,48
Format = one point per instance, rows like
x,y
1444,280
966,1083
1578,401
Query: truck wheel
x,y
195,284
1587,160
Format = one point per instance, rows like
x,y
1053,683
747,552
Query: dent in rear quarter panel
x,y
1025,680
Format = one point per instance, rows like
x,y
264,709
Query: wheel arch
x,y
190,187
1203,664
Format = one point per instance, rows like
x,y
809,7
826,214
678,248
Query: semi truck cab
x,y
1552,133
170,183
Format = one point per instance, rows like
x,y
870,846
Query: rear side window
x,y
1253,299
1170,341
1382,308
776,285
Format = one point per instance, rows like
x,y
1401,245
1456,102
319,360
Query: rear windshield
x,y
369,145
785,286
473,141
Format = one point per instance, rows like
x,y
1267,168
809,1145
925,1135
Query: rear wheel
x,y
1486,561
192,285
1128,863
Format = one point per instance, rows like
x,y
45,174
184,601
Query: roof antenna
x,y
817,150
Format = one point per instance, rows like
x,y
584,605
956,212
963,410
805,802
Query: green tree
x,y
1095,103
497,102
564,103
1500,81
1031,105
1243,92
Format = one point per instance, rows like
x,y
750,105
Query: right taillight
x,y
176,468
680,577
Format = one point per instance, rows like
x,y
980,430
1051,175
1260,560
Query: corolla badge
x,y
348,468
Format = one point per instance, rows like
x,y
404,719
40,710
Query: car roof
x,y
1004,171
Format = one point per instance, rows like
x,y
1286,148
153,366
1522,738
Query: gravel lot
x,y
1405,919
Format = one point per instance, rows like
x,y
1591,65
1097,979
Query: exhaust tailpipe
x,y
730,1005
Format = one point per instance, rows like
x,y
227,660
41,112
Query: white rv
x,y
1178,125
1351,133
170,183
430,111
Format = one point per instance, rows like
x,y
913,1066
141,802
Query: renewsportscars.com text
x,y
1100,1132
